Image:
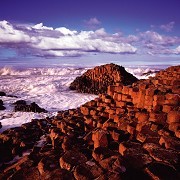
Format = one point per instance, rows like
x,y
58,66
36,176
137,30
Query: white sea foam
x,y
48,87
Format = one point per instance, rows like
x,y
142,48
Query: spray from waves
x,y
60,71
143,72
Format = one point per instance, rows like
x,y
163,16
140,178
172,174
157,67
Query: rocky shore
x,y
131,131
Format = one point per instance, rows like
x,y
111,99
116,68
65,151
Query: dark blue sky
x,y
137,27
114,14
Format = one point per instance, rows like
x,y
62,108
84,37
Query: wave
x,y
138,71
60,71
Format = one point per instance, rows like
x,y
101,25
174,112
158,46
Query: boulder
x,y
88,170
71,159
1,105
58,174
158,170
26,173
100,138
2,93
21,105
96,81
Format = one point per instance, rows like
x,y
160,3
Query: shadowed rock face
x,y
131,132
96,81
22,106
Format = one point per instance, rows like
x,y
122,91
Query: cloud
x,y
151,39
167,27
153,43
10,35
176,50
40,26
92,23
40,40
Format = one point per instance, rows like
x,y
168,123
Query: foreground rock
x,y
96,81
131,132
21,105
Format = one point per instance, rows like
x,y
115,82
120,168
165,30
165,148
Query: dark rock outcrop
x,y
132,132
21,105
1,105
96,81
2,93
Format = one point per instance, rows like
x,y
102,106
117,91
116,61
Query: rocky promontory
x,y
130,132
96,81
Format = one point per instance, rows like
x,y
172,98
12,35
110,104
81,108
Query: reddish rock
x,y
47,164
136,158
142,117
158,117
100,138
162,155
170,142
84,110
71,158
158,170
173,117
58,174
124,146
113,164
26,173
97,80
101,153
56,137
88,170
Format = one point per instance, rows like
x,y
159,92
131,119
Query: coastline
x,y
117,134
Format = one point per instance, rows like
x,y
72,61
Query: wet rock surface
x,y
130,132
22,105
96,81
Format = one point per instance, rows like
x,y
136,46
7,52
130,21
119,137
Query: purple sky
x,y
79,28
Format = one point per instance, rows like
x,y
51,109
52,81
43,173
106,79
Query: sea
x,y
46,82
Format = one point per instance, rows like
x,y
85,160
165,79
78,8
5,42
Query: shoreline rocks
x,y
96,81
22,105
130,132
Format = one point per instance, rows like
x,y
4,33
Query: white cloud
x,y
167,27
45,40
41,40
40,26
151,37
177,50
66,31
8,34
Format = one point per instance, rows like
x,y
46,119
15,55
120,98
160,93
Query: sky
x,y
95,29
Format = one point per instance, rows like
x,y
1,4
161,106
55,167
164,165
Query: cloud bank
x,y
40,40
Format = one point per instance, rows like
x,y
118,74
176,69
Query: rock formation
x,y
96,81
1,105
2,93
21,105
130,132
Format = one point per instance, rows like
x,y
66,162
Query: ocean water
x,y
47,84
